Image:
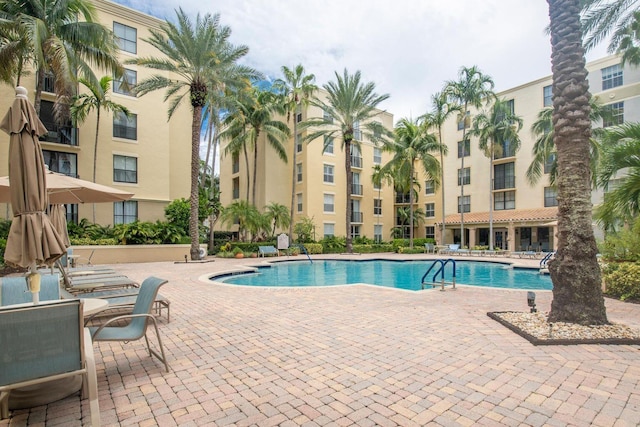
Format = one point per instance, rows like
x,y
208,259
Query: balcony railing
x,y
60,134
356,162
402,198
356,189
356,217
506,182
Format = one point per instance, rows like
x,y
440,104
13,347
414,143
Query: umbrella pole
x,y
33,280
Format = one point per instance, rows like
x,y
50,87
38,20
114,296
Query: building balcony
x,y
356,162
357,217
66,135
402,198
356,189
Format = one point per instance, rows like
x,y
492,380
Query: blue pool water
x,y
394,274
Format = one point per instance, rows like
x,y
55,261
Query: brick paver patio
x,y
350,355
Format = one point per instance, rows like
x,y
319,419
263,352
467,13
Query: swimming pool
x,y
393,274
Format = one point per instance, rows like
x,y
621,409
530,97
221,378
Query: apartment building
x,y
320,181
144,154
524,215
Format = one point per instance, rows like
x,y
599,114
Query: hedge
x,y
623,280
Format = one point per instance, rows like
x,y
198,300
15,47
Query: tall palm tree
x,y
544,150
278,215
62,37
577,293
97,99
621,145
603,17
350,103
253,116
472,89
242,213
441,110
413,143
629,44
198,56
379,177
497,131
297,88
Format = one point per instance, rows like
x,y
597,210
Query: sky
x,y
408,48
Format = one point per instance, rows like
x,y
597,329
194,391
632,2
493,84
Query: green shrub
x,y
373,249
399,242
333,244
313,248
623,245
85,241
623,280
177,213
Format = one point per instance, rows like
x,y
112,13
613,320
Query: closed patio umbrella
x,y
32,237
58,215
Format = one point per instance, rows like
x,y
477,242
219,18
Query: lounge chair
x,y
126,298
36,349
429,248
267,250
139,319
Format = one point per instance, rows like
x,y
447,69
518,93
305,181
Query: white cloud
x,y
409,48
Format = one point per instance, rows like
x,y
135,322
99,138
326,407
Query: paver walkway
x,y
350,355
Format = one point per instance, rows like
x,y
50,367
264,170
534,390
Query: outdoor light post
x,y
531,301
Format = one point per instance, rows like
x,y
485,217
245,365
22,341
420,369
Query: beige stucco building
x,y
146,154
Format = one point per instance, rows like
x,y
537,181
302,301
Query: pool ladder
x,y
440,270
544,268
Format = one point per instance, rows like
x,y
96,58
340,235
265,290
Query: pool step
x,y
544,271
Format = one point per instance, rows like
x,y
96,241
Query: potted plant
x,y
237,252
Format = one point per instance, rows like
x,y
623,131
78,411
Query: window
x,y
504,200
329,203
236,188
430,232
377,233
326,116
549,162
125,169
507,149
60,133
429,187
467,148
299,172
616,114
356,213
547,94
235,163
466,123
125,212
329,229
430,210
125,127
327,175
298,117
126,37
328,145
465,202
72,212
504,176
356,157
127,83
299,143
357,133
377,156
550,197
355,231
356,187
464,178
299,202
377,206
611,77
65,163
377,186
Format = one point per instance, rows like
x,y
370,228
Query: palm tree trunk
x,y
255,166
293,176
411,206
461,204
347,168
95,155
442,184
246,161
491,198
195,169
577,293
213,219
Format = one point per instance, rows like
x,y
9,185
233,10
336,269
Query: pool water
x,y
393,274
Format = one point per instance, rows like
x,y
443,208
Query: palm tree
x,y
498,132
278,215
629,44
472,89
441,110
379,177
621,147
601,17
413,143
97,99
253,117
59,36
297,88
544,151
242,213
577,293
200,56
350,103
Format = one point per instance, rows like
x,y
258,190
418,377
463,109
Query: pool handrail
x,y
440,271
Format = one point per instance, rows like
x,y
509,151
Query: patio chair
x,y
429,248
42,343
139,320
14,290
125,299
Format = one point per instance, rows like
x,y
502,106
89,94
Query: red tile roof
x,y
517,215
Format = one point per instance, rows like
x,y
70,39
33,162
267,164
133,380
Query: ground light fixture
x,y
531,301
